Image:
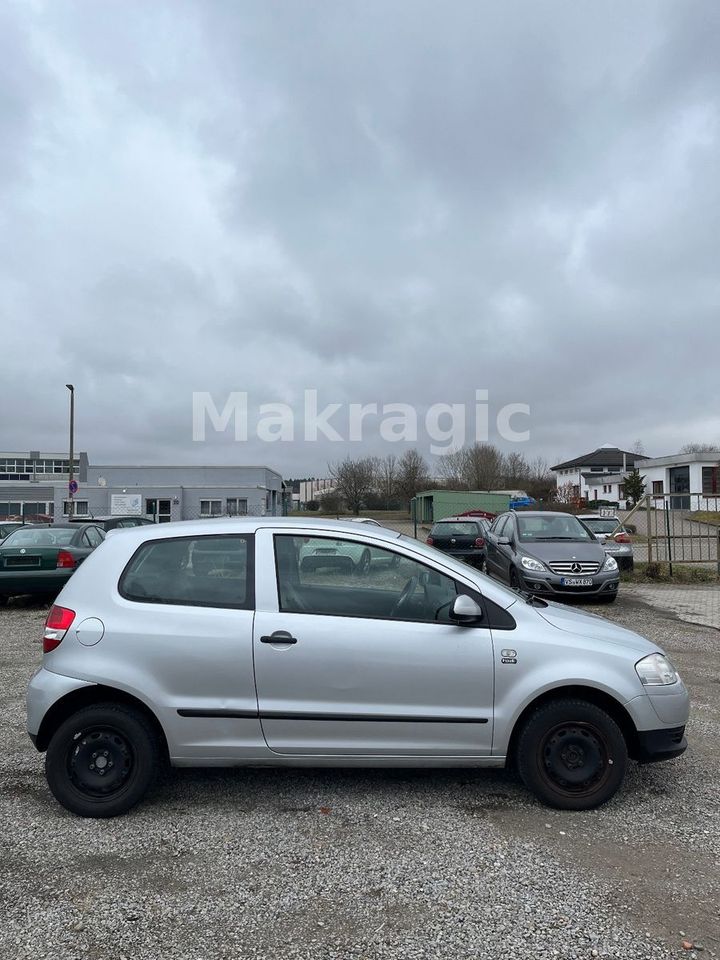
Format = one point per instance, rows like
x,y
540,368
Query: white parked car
x,y
613,536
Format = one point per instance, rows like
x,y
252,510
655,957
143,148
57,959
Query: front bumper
x,y
547,583
655,745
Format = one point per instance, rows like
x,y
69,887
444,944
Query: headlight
x,y
656,671
610,563
530,563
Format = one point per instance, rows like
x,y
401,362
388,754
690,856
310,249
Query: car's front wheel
x,y
572,755
102,760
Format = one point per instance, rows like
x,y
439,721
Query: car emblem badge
x,y
451,540
576,568
23,550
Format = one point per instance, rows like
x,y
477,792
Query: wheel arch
x,y
88,696
598,698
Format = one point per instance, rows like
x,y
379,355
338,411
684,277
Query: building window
x,y
81,508
159,509
621,491
211,508
710,480
236,507
657,488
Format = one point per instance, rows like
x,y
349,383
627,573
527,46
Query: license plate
x,y
576,582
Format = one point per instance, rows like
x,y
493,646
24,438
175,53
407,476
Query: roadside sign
x,y
606,512
73,487
126,504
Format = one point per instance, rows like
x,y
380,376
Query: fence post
x,y
718,551
648,523
413,507
669,540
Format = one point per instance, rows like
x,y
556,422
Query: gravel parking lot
x,y
366,864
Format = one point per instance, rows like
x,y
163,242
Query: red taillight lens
x,y
621,538
479,541
58,622
429,541
65,560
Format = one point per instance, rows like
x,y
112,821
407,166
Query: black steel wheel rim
x,y
100,760
574,759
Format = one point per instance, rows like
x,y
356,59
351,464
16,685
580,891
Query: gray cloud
x,y
397,202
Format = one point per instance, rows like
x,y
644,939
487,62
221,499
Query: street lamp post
x,y
71,476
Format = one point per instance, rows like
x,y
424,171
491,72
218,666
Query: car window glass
x,y
94,536
499,530
552,527
40,538
459,529
212,571
339,577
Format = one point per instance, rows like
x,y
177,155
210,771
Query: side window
x,y
192,571
94,536
347,578
499,525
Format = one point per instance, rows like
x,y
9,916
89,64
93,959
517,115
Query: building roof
x,y
611,457
680,459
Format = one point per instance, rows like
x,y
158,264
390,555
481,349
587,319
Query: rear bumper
x,y
33,582
655,745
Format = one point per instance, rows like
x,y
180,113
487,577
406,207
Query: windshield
x,y
601,525
454,530
39,538
551,527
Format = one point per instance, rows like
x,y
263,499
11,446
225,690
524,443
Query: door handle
x,y
280,636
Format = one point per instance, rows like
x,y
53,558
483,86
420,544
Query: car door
x,y
506,551
368,666
493,559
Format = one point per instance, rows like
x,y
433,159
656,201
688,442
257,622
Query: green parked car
x,y
40,560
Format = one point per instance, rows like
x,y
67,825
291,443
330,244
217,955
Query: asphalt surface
x,y
365,864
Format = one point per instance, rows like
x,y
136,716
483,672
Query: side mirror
x,y
504,541
465,610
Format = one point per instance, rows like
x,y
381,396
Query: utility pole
x,y
71,473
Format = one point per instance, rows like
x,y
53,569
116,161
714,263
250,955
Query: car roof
x,y
540,513
224,525
68,525
595,516
461,520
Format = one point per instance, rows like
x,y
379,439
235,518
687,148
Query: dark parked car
x,y
461,537
550,554
40,560
113,523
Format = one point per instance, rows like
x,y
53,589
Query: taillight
x,y
479,541
65,560
58,622
429,541
621,538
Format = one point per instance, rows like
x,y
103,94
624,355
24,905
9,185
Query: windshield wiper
x,y
558,538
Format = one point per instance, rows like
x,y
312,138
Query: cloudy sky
x,y
387,202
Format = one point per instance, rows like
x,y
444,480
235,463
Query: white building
x,y
598,475
309,490
690,481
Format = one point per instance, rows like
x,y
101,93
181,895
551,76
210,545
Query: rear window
x,y
214,571
455,530
40,538
601,525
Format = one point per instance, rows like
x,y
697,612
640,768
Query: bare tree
x,y
713,449
412,474
516,470
387,475
483,468
565,493
354,480
638,448
451,467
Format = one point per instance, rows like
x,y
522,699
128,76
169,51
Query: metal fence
x,y
677,528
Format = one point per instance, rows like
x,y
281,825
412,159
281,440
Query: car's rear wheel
x,y
102,760
572,755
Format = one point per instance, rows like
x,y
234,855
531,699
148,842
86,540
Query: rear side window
x,y
214,571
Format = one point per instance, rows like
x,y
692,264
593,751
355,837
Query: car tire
x,y
607,598
127,743
572,755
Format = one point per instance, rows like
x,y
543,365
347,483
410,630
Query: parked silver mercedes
x,y
210,644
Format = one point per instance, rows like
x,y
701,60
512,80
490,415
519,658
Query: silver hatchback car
x,y
209,643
